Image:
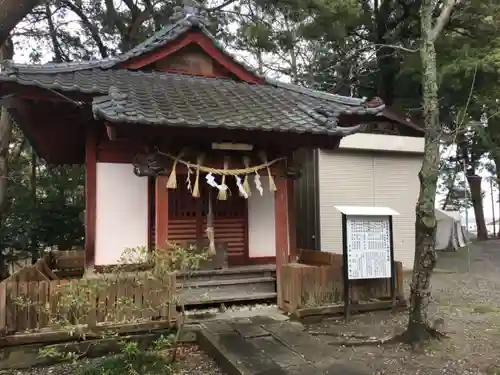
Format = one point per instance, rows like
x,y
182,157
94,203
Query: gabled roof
x,y
125,96
184,19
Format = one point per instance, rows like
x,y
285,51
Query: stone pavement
x,y
263,346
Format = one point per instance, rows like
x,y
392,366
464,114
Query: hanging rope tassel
x,y
196,187
272,185
246,184
172,179
223,192
210,226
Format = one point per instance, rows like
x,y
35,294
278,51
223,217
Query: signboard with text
x,y
368,247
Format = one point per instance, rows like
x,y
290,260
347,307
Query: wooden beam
x,y
90,196
160,53
228,62
161,211
292,219
281,229
111,132
196,37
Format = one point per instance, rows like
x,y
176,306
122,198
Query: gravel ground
x,y
191,361
469,304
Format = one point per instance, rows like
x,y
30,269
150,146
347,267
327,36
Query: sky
x,y
490,205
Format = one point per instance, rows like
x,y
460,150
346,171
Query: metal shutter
x,y
397,187
345,178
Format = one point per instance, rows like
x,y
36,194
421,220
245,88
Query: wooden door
x,y
188,219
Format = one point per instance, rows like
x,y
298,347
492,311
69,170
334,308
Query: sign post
x,y
367,247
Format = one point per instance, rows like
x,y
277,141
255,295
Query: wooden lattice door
x,y
188,219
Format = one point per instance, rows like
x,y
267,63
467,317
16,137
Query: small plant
x,y
142,363
163,342
84,309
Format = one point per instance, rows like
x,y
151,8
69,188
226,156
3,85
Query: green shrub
x,y
140,363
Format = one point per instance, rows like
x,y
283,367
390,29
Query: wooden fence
x,y
66,263
32,306
315,285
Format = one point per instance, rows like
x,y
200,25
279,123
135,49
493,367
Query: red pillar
x,y
90,196
282,226
161,210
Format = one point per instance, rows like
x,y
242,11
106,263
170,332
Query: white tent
x,y
450,235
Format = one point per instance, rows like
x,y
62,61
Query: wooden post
x,y
90,196
281,230
292,220
161,211
3,306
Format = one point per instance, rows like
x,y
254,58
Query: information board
x,y
368,247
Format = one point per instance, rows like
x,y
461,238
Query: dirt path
x,y
469,303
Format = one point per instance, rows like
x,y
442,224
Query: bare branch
x,y
393,46
443,18
219,7
53,35
90,26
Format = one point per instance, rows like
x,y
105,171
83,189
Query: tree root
x,y
352,340
423,335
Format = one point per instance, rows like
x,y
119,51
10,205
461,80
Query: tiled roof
x,y
124,96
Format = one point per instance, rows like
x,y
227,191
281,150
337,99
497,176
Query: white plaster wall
x,y
383,142
261,227
121,212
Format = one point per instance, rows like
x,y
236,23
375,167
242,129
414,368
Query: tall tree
x,y
418,329
6,53
12,12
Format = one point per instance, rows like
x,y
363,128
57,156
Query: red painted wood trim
x,y
227,62
281,228
292,220
196,74
246,234
207,45
169,49
262,260
115,156
161,211
151,201
200,230
90,195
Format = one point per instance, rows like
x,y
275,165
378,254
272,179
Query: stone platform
x,y
264,346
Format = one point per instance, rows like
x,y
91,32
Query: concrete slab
x,y
262,346
280,354
249,330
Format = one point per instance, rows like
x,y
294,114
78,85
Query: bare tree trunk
x,y
497,173
11,13
6,52
418,329
476,197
